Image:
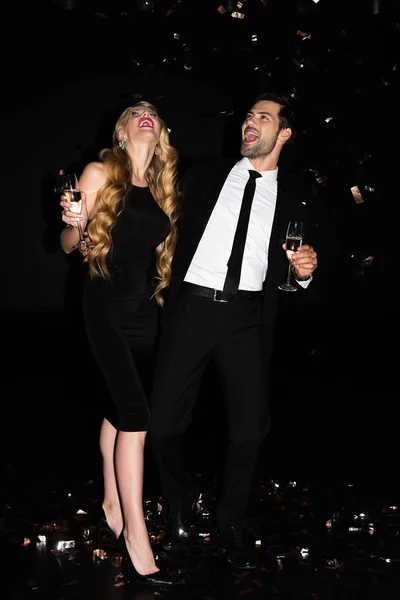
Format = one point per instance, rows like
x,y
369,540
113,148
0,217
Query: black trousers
x,y
197,331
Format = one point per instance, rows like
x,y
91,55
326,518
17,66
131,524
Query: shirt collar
x,y
245,164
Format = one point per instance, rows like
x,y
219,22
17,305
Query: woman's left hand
x,y
87,247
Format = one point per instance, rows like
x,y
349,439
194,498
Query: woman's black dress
x,y
120,315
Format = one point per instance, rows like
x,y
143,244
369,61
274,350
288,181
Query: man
x,y
205,318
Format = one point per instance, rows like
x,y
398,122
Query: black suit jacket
x,y
200,188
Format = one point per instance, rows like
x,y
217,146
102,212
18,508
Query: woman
x,y
130,213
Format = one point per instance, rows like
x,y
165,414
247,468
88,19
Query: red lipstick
x,y
142,119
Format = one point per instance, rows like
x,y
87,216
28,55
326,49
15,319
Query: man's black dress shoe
x,y
238,554
180,525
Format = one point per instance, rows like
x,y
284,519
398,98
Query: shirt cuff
x,y
303,282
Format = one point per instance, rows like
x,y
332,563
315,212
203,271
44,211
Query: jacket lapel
x,y
287,208
282,213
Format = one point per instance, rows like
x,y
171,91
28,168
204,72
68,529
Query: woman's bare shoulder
x,y
92,175
95,168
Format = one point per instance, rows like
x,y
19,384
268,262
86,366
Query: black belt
x,y
218,295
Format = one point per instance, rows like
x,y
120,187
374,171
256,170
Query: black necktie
x,y
236,258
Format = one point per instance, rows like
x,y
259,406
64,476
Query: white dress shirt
x,y
209,263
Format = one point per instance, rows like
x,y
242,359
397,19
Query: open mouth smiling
x,y
146,122
250,135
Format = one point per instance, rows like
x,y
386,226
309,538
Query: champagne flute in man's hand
x,y
294,239
70,189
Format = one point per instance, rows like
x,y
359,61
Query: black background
x,y
67,73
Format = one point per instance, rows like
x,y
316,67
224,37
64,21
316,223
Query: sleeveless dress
x,y
120,316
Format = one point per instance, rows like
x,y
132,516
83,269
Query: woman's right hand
x,y
70,215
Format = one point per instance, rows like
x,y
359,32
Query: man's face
x,y
260,130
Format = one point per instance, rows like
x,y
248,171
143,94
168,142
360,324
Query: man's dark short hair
x,y
286,112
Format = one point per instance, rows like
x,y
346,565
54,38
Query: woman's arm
x,y
90,182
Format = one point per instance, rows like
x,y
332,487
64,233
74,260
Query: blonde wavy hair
x,y
161,177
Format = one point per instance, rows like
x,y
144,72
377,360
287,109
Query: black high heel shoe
x,y
104,531
161,578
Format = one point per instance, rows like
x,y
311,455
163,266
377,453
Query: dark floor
x,y
317,540
325,504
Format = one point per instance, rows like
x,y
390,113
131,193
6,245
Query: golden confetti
x,y
73,582
99,553
117,561
366,262
355,190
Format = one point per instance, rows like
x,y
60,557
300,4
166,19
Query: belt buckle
x,y
215,299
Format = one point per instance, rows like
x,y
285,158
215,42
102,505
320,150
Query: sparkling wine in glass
x,y
294,239
70,189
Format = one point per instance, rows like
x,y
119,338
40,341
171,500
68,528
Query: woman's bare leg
x,y
129,454
111,502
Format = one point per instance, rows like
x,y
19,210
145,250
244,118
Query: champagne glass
x,y
70,189
294,239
